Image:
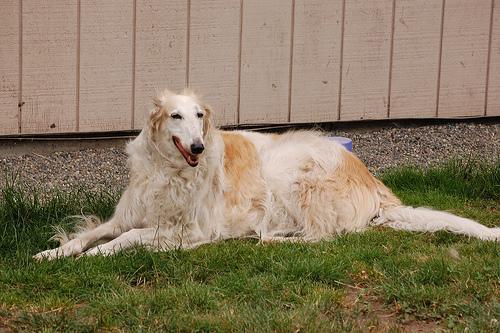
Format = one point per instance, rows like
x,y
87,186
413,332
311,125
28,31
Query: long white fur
x,y
298,186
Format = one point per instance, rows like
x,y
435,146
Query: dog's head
x,y
182,124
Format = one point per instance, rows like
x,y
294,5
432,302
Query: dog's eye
x,y
176,116
199,115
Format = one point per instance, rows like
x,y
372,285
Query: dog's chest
x,y
173,199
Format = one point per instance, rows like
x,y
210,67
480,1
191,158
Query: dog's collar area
x,y
191,159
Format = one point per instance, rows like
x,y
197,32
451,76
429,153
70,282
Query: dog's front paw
x,y
48,255
71,248
494,235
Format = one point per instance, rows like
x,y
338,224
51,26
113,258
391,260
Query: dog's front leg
x,y
129,213
82,241
153,237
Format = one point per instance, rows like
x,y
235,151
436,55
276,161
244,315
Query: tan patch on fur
x,y
387,198
245,193
241,166
157,118
357,174
207,123
354,194
158,115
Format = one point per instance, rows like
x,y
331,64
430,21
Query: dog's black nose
x,y
197,148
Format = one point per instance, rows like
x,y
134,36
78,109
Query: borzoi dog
x,y
192,184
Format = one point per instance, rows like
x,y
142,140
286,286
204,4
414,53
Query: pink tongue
x,y
192,160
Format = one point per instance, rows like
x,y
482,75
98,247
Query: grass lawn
x,y
381,279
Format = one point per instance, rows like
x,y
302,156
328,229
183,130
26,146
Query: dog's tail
x,y
428,220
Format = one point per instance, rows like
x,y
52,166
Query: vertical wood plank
x,y
464,58
365,69
265,61
415,66
316,60
106,65
160,51
214,56
9,66
49,66
493,102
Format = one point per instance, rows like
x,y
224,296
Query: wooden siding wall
x,y
88,65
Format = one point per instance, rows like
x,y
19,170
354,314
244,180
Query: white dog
x,y
192,184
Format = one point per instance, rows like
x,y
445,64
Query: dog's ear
x,y
157,115
157,102
207,122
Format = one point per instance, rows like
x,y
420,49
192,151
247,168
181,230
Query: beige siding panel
x,y
463,63
160,51
106,65
316,60
265,61
415,66
214,55
493,107
49,66
365,69
9,66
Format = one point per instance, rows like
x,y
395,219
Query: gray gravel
x,y
379,147
391,146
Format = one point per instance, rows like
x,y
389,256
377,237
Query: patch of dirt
x,y
5,319
5,329
372,315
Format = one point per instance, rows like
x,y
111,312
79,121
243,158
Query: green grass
x,y
382,278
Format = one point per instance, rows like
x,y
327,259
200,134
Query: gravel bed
x,y
379,147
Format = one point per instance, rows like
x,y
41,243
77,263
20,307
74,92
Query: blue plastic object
x,y
346,142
